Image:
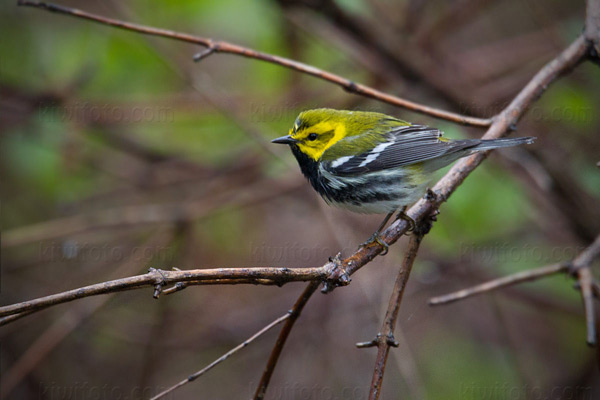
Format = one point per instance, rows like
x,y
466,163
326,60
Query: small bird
x,y
372,163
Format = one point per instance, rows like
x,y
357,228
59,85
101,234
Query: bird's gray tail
x,y
463,148
505,142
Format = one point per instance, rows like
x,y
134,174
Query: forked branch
x,y
510,280
579,268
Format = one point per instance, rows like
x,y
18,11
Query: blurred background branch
x,y
579,267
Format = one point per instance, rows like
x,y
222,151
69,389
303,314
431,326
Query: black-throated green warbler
x,y
370,162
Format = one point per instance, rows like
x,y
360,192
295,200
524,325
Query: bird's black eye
x,y
312,136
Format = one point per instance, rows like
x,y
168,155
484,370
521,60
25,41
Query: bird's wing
x,y
403,145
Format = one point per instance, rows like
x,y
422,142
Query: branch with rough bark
x,y
329,273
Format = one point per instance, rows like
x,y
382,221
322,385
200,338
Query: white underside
x,y
406,196
381,207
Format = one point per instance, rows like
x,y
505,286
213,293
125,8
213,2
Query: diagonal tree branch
x,y
214,46
503,124
510,280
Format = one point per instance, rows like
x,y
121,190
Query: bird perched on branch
x,y
373,163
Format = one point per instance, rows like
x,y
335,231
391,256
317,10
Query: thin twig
x,y
12,318
579,267
225,356
294,313
226,47
385,338
523,276
205,53
412,64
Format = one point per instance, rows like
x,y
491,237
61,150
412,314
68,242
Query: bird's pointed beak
x,y
284,140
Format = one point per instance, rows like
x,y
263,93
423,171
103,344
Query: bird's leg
x,y
384,222
376,238
411,222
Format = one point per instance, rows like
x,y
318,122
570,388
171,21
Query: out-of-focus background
x,y
118,153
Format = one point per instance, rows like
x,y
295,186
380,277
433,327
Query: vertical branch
x,y
581,266
584,276
385,338
283,335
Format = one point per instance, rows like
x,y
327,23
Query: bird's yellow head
x,y
315,131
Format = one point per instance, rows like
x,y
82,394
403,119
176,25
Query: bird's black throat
x,y
309,168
